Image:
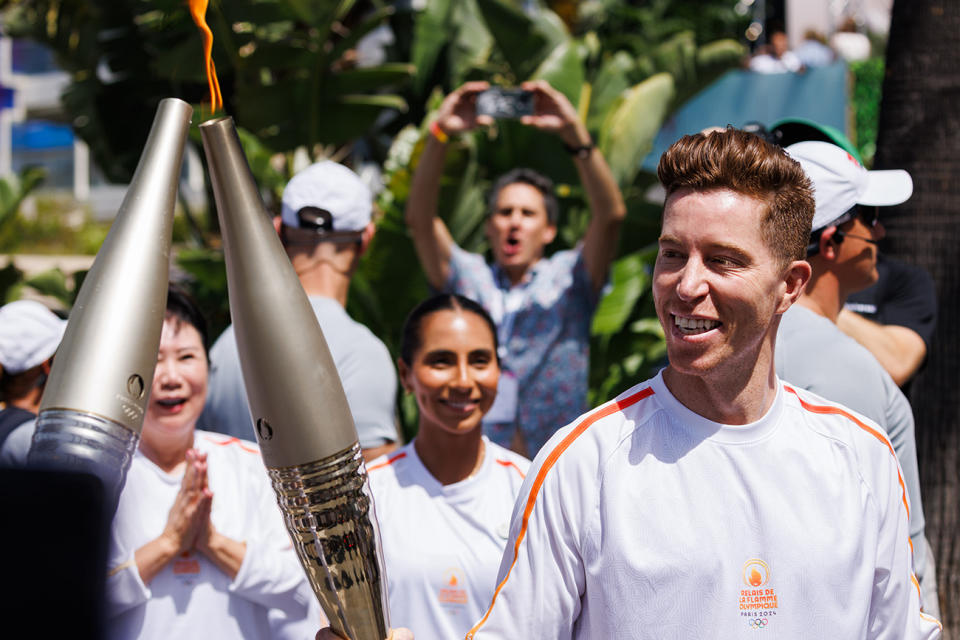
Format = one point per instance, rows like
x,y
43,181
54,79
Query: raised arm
x,y
431,238
554,113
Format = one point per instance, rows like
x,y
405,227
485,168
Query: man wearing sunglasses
x,y
813,353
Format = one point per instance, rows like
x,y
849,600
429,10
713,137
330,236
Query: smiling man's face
x,y
717,286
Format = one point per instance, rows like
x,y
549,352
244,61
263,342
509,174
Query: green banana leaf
x,y
522,45
563,69
14,188
471,43
630,127
630,279
431,32
320,13
611,80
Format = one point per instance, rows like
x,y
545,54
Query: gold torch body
x,y
302,421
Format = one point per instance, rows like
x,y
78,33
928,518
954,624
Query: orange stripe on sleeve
x,y
511,464
551,459
387,462
231,440
827,409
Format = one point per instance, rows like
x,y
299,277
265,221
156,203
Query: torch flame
x,y
198,10
755,578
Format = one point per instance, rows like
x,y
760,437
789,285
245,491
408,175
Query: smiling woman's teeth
x,y
694,325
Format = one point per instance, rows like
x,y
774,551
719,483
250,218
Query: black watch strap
x,y
582,152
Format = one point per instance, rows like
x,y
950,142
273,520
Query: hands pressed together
x,y
189,527
188,523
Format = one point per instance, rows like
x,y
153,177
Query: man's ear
x,y
796,279
828,243
277,223
549,234
366,236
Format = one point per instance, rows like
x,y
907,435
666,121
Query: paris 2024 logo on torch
x,y
758,598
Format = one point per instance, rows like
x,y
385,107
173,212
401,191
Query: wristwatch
x,y
582,152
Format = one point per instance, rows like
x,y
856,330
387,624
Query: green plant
x,y
623,81
867,89
207,281
283,67
287,76
55,224
13,189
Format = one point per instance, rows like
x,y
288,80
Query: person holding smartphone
x,y
543,306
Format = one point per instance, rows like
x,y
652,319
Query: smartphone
x,y
501,103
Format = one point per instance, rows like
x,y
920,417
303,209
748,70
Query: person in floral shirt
x,y
542,305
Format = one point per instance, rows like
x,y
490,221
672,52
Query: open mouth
x,y
171,403
693,326
511,246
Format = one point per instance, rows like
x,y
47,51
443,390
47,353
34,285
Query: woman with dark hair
x,y
444,500
198,548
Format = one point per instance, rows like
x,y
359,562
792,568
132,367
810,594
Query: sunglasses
x,y
870,217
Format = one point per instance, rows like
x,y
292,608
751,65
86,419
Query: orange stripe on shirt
x,y
232,440
510,463
551,459
827,409
387,462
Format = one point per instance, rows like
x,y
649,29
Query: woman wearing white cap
x,y
29,335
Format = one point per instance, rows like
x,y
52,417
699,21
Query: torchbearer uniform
x,y
191,597
643,519
442,543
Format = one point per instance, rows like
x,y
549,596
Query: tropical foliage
x,y
13,189
623,80
289,74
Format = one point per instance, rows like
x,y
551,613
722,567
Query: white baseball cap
x,y
840,182
335,199
29,334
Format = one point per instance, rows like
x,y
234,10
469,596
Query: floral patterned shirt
x,y
544,333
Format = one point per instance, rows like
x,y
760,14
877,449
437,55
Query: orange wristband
x,y
438,133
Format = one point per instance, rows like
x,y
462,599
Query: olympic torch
x,y
301,417
94,402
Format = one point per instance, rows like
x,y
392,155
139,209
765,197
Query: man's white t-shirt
x,y
442,544
643,519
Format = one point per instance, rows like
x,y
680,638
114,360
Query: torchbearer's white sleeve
x,y
542,573
124,587
896,605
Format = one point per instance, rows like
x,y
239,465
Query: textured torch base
x,y
74,441
327,508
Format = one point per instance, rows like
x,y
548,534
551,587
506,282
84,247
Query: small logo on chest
x,y
454,590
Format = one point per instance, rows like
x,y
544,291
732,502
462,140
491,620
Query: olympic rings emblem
x,y
758,623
